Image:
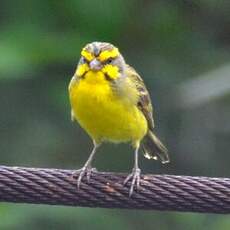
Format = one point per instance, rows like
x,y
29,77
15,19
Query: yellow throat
x,y
105,115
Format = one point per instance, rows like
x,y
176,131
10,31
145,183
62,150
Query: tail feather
x,y
154,149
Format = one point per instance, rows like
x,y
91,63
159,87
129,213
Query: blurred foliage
x,y
168,42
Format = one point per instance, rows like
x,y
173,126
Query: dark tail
x,y
154,149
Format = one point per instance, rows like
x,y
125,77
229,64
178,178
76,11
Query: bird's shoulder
x,y
144,101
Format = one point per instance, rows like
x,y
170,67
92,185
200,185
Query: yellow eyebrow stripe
x,y
104,55
88,56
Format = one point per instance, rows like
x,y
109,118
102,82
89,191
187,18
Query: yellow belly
x,y
104,115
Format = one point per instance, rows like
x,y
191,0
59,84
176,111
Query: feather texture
x,y
151,145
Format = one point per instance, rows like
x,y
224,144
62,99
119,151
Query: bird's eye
x,y
83,60
109,61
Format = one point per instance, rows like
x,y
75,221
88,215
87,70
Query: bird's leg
x,y
135,175
87,168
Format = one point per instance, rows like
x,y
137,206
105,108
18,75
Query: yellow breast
x,y
104,114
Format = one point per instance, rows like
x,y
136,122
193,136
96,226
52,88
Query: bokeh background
x,y
180,48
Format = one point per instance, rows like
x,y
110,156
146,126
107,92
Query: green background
x,y
182,51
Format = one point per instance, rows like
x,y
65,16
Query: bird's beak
x,y
95,65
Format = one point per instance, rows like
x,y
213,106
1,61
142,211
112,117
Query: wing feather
x,y
151,145
144,100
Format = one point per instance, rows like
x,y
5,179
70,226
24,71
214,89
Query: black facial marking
x,y
83,60
83,75
107,77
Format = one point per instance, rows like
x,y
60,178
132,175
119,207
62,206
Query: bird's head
x,y
101,57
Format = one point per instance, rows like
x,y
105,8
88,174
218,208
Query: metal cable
x,y
158,192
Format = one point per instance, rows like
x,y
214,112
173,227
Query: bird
x,y
110,101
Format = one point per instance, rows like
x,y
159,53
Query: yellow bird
x,y
111,103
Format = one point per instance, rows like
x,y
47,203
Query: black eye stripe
x,y
107,77
83,75
84,60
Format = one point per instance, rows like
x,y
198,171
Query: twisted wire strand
x,y
157,192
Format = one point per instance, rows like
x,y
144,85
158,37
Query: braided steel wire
x,y
157,192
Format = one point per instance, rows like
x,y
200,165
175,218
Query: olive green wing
x,y
151,145
144,100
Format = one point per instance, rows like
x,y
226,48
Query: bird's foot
x,y
135,179
85,171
